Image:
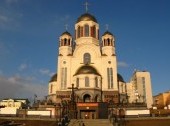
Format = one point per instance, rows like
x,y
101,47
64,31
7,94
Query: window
x,y
93,31
110,78
86,81
87,58
51,88
78,32
77,82
86,27
144,88
96,81
65,42
81,31
63,78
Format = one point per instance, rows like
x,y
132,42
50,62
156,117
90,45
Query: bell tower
x,y
65,44
108,44
86,30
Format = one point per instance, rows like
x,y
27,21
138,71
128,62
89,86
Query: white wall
x,y
8,110
41,113
137,112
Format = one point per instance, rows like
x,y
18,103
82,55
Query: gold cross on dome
x,y
66,26
86,6
107,27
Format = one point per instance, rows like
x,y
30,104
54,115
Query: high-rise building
x,y
139,88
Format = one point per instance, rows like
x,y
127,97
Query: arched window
x,y
93,31
86,81
51,88
87,58
81,31
78,32
68,42
77,82
96,82
86,28
63,78
110,78
65,41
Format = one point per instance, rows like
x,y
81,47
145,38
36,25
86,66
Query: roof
x,y
87,70
86,17
120,78
107,33
53,78
66,33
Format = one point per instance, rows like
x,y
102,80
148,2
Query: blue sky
x,y
30,29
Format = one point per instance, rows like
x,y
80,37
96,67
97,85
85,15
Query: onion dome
x,y
66,33
120,78
87,70
53,78
107,33
86,17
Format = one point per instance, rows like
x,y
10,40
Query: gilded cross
x,y
66,26
107,27
86,5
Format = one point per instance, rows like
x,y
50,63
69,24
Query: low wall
x,y
29,121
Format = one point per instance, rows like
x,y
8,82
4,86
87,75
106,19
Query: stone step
x,y
90,122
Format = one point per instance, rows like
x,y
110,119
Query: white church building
x,y
91,65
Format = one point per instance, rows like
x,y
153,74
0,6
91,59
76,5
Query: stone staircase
x,y
90,122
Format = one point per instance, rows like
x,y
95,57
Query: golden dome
x,y
86,17
87,70
53,78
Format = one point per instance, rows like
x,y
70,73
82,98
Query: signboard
x,y
87,104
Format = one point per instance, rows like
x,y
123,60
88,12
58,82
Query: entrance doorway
x,y
87,114
87,98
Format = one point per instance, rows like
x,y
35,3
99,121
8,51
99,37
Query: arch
x,y
97,98
87,82
87,58
65,41
96,82
69,42
86,98
93,31
78,32
81,31
86,30
77,82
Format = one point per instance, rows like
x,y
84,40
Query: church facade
x,y
88,64
91,66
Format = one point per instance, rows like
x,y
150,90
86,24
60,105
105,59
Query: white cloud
x,y
9,18
46,72
122,64
22,67
20,87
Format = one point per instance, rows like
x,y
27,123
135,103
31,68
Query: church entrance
x,y
87,98
87,114
87,110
